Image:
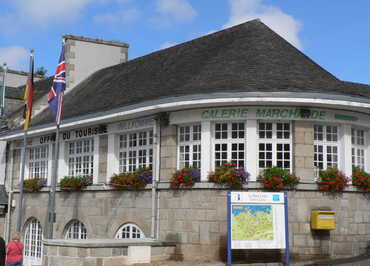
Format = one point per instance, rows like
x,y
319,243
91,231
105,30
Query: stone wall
x,y
168,152
303,152
102,212
197,219
104,252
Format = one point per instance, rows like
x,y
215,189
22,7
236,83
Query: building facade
x,y
242,95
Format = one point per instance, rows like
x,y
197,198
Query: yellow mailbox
x,y
322,220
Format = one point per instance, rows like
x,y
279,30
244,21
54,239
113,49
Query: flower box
x,y
361,179
186,177
132,181
276,178
229,175
34,184
75,183
332,180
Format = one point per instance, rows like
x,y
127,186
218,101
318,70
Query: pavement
x,y
363,260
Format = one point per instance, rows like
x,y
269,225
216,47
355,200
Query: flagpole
x,y
51,204
55,101
2,108
24,155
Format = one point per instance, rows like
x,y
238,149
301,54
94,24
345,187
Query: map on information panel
x,y
257,220
252,222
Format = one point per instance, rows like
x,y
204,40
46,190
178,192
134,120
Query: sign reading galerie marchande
x,y
280,113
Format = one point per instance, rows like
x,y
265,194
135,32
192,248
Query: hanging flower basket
x,y
276,178
132,181
34,184
332,180
229,175
75,183
361,179
186,177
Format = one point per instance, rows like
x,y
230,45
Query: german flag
x,y
28,96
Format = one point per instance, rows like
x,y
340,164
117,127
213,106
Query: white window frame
x,y
32,173
75,230
229,142
325,143
359,145
274,141
189,148
33,247
127,145
84,170
131,230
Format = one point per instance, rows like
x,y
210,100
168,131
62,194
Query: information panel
x,y
257,220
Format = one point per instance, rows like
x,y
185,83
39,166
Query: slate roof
x,y
41,87
249,57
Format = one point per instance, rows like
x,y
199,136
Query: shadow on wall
x,y
174,237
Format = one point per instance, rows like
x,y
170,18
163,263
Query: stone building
x,y
244,95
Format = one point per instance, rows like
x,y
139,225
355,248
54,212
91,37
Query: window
x,y
81,158
135,150
38,158
358,148
274,145
33,242
75,230
230,143
325,146
189,150
129,231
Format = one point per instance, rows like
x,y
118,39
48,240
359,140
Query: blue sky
x,y
335,34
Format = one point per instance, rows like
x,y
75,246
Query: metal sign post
x,y
229,254
287,250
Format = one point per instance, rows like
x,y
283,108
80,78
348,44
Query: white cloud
x,y
106,18
124,16
16,57
179,10
167,45
130,15
46,11
172,11
285,25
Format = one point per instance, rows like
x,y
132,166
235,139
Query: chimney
x,y
85,56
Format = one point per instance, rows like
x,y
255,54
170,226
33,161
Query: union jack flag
x,y
57,89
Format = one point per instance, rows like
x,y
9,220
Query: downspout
x,y
156,153
10,189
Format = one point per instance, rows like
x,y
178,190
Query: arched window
x,y
33,243
129,231
75,230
